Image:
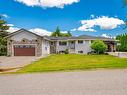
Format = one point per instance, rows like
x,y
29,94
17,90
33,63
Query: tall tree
x,y
57,33
69,33
123,42
123,37
3,34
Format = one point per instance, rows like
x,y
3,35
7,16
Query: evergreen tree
x,y
69,34
3,34
57,33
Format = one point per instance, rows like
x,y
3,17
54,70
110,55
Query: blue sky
x,y
67,17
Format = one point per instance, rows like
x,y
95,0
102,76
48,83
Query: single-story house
x,y
26,43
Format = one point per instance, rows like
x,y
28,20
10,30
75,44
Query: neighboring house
x,y
26,43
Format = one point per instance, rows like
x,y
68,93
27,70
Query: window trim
x,y
61,43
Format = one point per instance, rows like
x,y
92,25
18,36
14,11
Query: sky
x,y
81,17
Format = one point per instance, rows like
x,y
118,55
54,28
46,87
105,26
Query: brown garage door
x,y
24,50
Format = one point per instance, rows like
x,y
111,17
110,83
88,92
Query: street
x,y
100,82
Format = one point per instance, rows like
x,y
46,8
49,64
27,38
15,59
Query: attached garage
x,y
24,50
27,43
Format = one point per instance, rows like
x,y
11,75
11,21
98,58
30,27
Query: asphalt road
x,y
102,82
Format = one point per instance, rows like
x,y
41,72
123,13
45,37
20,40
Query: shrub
x,y
99,47
66,51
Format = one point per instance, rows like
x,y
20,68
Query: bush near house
x,y
3,46
66,51
99,46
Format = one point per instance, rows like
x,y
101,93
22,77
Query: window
x,y
80,51
21,46
62,43
80,42
52,43
24,46
16,46
72,42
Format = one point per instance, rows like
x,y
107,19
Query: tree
x,y
3,34
99,46
69,34
125,2
57,33
123,41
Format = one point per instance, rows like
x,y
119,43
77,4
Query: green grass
x,y
74,62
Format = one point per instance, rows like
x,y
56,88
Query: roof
x,y
21,30
82,37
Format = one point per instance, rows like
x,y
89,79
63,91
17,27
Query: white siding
x,y
45,47
60,47
85,47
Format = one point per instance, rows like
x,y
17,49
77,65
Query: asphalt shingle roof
x,y
82,37
86,37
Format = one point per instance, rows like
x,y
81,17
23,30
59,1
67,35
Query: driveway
x,y
107,82
119,54
14,62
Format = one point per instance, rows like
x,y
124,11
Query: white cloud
x,y
4,15
41,32
12,29
104,22
92,16
63,31
73,29
48,3
83,28
11,25
106,36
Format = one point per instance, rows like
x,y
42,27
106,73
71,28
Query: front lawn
x,y
74,62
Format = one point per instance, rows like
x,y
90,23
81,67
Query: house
x,y
26,43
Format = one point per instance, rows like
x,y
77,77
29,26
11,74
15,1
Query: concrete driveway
x,y
119,54
107,82
13,62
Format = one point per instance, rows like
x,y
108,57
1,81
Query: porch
x,y
111,46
